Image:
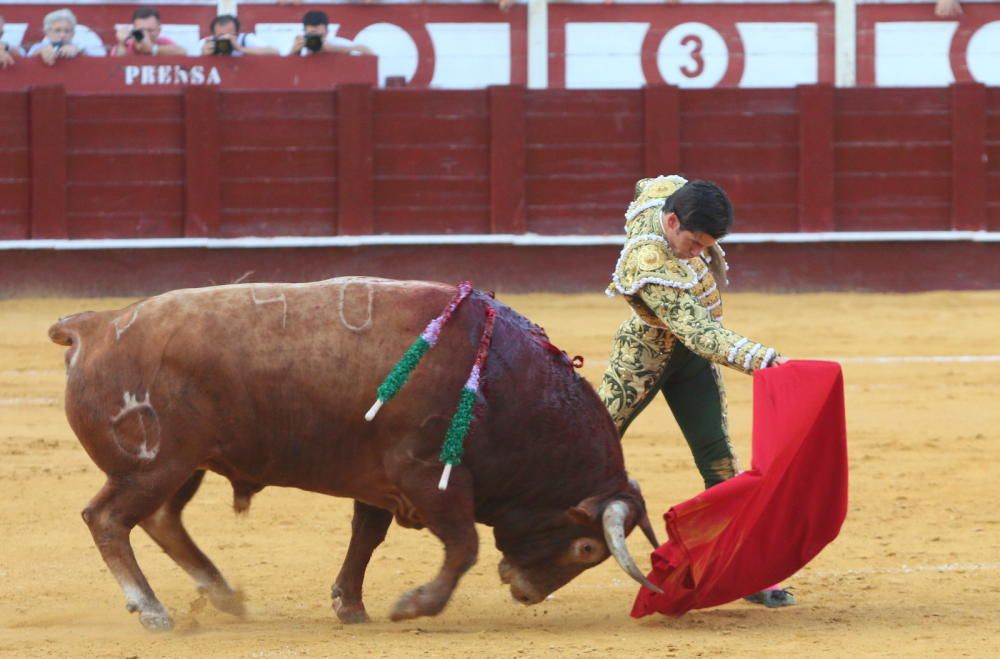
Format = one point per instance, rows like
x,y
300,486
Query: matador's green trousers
x,y
646,360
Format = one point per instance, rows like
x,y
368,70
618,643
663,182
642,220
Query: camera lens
x,y
314,42
138,35
222,46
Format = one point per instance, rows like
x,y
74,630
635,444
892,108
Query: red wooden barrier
x,y
661,113
278,163
816,191
993,158
507,144
432,161
48,162
968,156
15,167
355,161
201,162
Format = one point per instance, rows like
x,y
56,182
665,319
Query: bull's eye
x,y
584,550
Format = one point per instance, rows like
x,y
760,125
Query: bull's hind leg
x,y
368,529
166,529
449,515
111,515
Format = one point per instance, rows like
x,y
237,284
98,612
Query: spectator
x,y
8,53
227,39
947,8
60,41
315,38
143,38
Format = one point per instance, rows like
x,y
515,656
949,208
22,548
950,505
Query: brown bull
x,y
268,384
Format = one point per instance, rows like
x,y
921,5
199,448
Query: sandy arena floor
x,y
915,571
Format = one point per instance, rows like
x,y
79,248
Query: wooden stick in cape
x,y
400,373
454,442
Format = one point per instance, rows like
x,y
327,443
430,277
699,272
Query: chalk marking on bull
x,y
340,306
400,373
271,300
131,404
119,330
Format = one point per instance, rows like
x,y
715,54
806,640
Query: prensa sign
x,y
171,74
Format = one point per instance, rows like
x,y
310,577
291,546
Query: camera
x,y
138,35
222,46
314,42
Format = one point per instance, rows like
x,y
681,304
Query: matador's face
x,y
683,243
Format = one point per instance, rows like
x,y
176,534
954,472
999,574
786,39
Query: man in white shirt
x,y
227,39
316,40
60,39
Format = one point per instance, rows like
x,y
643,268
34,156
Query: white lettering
x,y
171,74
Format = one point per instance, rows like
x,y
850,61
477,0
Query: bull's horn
x,y
614,534
647,528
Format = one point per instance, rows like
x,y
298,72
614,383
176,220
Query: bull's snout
x,y
521,589
525,596
506,571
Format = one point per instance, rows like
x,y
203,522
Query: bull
x,y
267,384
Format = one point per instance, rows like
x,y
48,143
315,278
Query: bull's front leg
x,y
450,515
368,529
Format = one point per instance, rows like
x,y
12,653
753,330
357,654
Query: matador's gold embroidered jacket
x,y
673,299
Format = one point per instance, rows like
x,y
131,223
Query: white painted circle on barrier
x,y
396,50
983,54
693,55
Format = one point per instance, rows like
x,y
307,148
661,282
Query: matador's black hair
x,y
702,206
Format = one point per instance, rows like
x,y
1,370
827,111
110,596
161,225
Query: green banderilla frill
x,y
454,441
401,371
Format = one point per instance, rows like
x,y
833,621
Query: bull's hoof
x,y
156,620
416,603
228,601
350,615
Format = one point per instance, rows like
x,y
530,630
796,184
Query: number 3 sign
x,y
692,55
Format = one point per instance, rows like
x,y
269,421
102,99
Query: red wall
x,y
207,163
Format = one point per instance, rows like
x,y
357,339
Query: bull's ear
x,y
587,511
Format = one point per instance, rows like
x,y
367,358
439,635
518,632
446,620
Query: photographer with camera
x,y
227,39
143,37
315,39
60,41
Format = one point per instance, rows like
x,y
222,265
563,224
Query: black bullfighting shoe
x,y
772,598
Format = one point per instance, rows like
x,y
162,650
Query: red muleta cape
x,y
762,526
